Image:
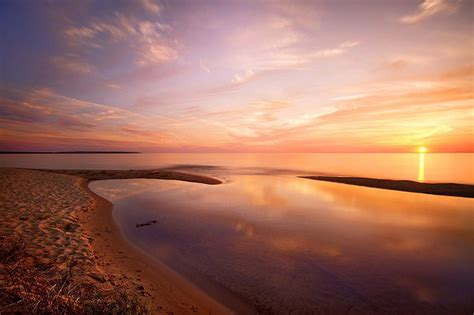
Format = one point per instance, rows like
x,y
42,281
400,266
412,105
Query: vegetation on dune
x,y
26,287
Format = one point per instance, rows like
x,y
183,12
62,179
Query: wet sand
x,y
62,221
443,189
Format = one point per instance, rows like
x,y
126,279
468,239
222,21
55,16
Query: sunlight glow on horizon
x,y
422,149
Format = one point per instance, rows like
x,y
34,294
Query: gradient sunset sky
x,y
237,76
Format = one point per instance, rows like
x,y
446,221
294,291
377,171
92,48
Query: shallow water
x,y
447,167
284,243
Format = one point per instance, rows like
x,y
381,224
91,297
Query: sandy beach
x,y
66,228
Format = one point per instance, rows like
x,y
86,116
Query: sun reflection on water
x,y
421,167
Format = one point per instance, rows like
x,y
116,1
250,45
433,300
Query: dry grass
x,y
27,287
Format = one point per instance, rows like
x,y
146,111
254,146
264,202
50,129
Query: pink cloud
x,y
429,8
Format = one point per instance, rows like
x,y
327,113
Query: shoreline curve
x,y
61,219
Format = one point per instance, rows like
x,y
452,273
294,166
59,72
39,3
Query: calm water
x,y
288,244
422,167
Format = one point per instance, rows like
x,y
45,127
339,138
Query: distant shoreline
x,y
70,152
441,189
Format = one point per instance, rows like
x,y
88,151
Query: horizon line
x,y
229,152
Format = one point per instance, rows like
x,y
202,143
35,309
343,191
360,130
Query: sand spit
x,y
63,224
444,189
92,175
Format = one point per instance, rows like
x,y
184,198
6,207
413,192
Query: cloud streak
x,y
146,39
72,63
429,8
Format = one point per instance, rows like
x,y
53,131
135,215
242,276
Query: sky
x,y
237,76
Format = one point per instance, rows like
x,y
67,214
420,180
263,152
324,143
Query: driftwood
x,y
151,222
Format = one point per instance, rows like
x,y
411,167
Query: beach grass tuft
x,y
34,288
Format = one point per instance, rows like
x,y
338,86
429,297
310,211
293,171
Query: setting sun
x,y
422,150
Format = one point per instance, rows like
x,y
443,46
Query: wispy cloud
x,y
404,62
429,8
147,39
151,5
285,60
243,77
119,28
299,58
342,48
111,85
72,63
153,47
204,67
280,40
53,119
145,133
44,106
